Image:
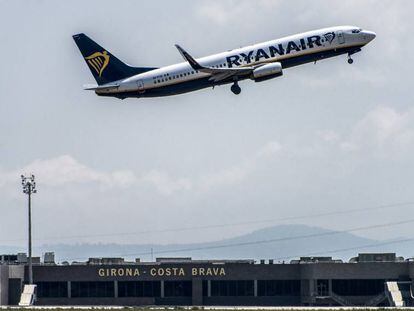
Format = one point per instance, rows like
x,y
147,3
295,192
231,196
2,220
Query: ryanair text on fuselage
x,y
272,51
258,62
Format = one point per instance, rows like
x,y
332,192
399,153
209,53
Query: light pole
x,y
29,187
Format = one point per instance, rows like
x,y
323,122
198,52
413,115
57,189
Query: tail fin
x,y
104,66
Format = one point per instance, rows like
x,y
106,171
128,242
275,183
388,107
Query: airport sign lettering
x,y
160,272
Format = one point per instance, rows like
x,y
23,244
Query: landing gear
x,y
235,88
350,60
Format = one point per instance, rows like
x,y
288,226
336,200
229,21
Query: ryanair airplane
x,y
258,62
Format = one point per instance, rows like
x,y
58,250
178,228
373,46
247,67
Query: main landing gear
x,y
235,88
350,60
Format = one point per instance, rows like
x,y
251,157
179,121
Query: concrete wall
x,y
411,270
16,272
4,285
366,270
7,273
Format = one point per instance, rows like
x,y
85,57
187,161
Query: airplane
x,y
258,62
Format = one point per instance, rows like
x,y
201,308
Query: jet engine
x,y
267,71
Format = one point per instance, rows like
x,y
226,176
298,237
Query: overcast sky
x,y
324,137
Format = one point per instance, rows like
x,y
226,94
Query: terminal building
x,y
365,280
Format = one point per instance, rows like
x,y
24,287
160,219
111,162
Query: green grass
x,y
160,308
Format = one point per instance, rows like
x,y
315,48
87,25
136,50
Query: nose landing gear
x,y
350,60
235,88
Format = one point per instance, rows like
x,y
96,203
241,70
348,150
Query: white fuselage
x,y
289,51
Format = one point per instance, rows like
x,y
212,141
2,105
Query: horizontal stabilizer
x,y
94,87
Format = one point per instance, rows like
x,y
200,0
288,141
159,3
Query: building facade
x,y
182,281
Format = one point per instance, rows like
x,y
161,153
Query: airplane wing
x,y
218,74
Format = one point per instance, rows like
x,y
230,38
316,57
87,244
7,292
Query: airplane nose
x,y
369,35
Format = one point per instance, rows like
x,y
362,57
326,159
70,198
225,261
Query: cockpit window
x,y
357,30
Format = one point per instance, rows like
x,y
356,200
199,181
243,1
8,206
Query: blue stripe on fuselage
x,y
198,84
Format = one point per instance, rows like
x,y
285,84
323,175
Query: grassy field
x,y
106,308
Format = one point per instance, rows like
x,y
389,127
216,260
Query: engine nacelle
x,y
267,71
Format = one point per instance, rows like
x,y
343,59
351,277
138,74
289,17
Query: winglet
x,y
194,64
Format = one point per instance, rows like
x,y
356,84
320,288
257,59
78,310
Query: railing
x,y
341,300
376,300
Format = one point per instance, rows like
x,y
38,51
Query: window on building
x,y
139,289
356,287
52,289
205,288
178,288
92,289
322,287
278,287
232,288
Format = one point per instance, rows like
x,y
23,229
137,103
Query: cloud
x,y
382,130
240,172
329,136
230,11
165,184
65,169
271,148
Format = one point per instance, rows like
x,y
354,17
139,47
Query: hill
x,y
281,242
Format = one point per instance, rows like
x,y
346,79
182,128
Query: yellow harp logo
x,y
98,61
